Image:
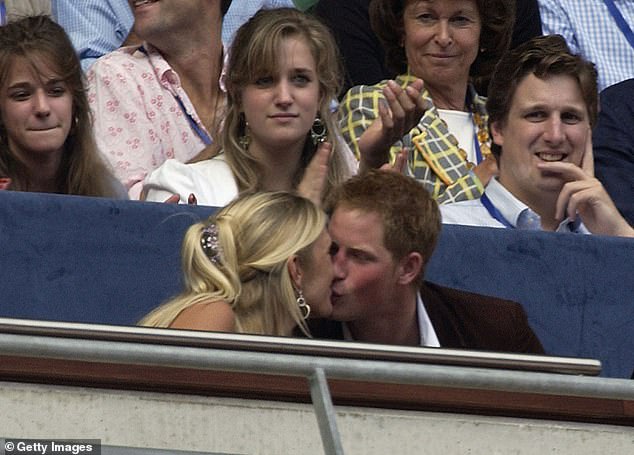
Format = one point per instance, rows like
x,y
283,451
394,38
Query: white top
x,y
211,181
474,213
461,126
428,337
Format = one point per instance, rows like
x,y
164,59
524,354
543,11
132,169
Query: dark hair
x,y
497,17
44,44
411,219
543,56
224,6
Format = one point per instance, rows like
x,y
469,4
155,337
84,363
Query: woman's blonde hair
x,y
256,236
255,53
45,45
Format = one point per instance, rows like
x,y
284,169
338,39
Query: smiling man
x,y
542,105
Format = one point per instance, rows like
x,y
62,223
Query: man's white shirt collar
x,y
428,337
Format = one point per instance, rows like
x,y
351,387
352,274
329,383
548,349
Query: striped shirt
x,y
591,31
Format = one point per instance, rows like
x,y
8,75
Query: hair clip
x,y
210,244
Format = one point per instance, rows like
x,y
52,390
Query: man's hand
x,y
583,194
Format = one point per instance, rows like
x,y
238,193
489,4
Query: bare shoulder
x,y
216,316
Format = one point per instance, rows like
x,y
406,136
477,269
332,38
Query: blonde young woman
x,y
260,265
46,137
279,132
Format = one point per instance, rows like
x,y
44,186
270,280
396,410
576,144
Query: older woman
x,y
441,50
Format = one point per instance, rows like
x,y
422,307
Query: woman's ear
x,y
410,268
295,270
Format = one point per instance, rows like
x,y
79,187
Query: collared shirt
x,y
435,157
95,27
241,11
591,31
428,337
139,123
474,213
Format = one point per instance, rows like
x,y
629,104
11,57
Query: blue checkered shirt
x,y
592,32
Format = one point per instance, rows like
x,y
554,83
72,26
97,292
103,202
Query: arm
x,y
120,124
214,316
95,27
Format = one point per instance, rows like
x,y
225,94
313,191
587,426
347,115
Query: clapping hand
x,y
401,111
312,184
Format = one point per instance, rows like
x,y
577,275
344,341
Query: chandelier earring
x,y
304,308
318,132
244,140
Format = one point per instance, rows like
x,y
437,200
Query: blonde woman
x,y
260,265
282,75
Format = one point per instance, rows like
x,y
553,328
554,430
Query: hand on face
x,y
584,194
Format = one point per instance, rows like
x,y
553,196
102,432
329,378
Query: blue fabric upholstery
x,y
68,258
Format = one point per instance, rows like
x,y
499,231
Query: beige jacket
x,y
20,8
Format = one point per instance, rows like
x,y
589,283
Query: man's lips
x,y
551,156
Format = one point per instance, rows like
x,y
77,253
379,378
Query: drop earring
x,y
318,132
304,308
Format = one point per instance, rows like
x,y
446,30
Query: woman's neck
x,y
451,98
279,165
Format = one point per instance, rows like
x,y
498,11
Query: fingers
x,y
191,200
567,171
587,161
586,197
406,107
399,163
173,199
312,184
5,183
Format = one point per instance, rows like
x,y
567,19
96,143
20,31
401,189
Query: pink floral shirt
x,y
138,121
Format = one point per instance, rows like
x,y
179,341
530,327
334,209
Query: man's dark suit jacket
x,y
613,144
465,320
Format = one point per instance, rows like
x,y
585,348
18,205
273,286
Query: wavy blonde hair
x,y
45,45
257,234
255,52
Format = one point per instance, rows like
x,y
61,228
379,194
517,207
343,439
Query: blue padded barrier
x,y
66,258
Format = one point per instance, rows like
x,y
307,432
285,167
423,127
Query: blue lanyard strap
x,y
3,13
494,212
194,125
620,21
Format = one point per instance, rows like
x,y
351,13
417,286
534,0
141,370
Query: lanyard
x,y
477,145
195,126
494,212
620,21
3,13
